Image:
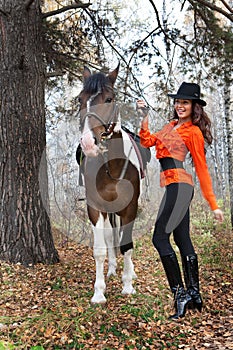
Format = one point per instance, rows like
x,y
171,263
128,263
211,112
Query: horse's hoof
x,y
128,291
111,272
98,299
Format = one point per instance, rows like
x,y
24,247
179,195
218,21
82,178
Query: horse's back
x,y
139,156
130,151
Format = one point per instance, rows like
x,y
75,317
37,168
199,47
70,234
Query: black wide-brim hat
x,y
189,91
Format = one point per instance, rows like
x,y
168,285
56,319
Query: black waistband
x,y
170,163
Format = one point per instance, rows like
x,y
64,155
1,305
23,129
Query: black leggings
x,y
173,216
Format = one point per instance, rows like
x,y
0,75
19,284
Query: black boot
x,y
191,277
181,297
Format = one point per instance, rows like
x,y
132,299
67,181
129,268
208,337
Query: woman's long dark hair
x,y
201,119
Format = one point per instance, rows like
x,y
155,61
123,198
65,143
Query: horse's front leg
x,y
99,256
112,245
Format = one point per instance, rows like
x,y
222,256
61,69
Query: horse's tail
x,y
115,223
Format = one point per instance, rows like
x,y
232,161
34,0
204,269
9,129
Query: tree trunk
x,y
24,222
229,131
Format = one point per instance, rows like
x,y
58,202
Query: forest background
x,y
44,46
158,45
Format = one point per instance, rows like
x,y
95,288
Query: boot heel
x,y
197,302
182,302
197,305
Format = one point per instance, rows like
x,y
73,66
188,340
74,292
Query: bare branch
x,y
57,73
28,3
227,6
156,13
213,7
3,13
165,33
66,8
115,50
107,40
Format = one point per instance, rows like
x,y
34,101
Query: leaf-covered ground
x,y
48,307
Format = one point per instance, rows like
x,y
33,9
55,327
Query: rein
x,y
123,170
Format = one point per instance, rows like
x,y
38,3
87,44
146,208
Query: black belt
x,y
170,163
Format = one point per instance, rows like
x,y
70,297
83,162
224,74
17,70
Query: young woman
x,y
187,132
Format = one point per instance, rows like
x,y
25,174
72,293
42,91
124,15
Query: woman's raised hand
x,y
142,108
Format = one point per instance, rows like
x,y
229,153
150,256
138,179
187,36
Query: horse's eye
x,y
108,100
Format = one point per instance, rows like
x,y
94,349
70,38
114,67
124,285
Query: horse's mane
x,y
97,82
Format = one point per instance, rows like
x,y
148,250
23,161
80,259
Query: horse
x,y
111,170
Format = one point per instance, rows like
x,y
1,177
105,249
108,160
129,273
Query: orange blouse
x,y
176,143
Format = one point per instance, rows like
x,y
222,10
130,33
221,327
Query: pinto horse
x,y
112,179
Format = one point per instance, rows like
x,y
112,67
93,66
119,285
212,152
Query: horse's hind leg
x,y
99,256
126,246
128,274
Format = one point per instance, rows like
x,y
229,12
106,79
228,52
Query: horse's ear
x,y
113,75
86,73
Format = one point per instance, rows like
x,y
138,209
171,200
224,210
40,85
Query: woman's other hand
x,y
218,215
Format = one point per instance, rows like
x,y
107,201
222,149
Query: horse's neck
x,y
114,158
116,146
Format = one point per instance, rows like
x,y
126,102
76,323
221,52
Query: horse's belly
x,y
110,196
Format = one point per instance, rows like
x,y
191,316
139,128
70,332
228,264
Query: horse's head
x,y
98,110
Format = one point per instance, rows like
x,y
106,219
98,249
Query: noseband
x,y
109,126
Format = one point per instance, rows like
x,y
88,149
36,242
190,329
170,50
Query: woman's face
x,y
183,109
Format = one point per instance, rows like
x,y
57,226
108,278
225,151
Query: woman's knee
x,y
155,241
159,241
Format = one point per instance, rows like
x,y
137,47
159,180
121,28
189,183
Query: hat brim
x,y
185,97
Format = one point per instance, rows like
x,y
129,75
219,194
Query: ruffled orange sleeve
x,y
196,148
146,138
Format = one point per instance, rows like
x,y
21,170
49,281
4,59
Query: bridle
x,y
107,134
109,126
